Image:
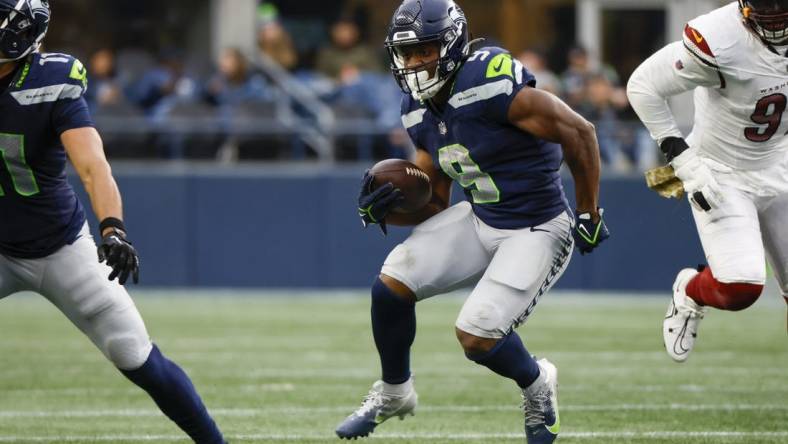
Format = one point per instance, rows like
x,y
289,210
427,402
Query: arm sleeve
x,y
670,71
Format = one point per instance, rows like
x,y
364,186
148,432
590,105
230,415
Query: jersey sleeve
x,y
702,64
498,78
71,114
670,71
71,110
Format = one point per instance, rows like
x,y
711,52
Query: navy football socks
x,y
510,359
175,395
394,328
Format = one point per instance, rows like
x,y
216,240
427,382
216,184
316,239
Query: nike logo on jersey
x,y
500,65
698,37
695,39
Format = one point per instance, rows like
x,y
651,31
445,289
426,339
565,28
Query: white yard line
x,y
234,412
292,387
414,436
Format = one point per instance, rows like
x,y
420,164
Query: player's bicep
x,y
544,115
85,149
441,184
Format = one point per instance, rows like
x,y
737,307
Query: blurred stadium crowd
x,y
333,98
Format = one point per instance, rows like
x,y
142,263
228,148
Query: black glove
x,y
588,235
120,255
373,206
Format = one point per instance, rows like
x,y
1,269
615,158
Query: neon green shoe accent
x,y
500,65
556,425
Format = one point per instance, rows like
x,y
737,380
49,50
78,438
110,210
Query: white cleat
x,y
540,403
378,406
680,327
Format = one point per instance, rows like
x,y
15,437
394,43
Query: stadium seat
x,y
125,131
260,131
190,130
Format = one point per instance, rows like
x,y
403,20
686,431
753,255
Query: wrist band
x,y
111,222
672,147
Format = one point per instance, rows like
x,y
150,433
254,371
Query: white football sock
x,y
398,389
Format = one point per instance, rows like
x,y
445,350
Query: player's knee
x,y
128,352
737,296
387,290
474,345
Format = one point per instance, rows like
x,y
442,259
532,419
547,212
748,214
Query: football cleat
x,y
680,328
377,407
540,403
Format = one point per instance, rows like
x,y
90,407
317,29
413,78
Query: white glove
x,y
702,188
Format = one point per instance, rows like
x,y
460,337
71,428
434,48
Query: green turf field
x,y
290,366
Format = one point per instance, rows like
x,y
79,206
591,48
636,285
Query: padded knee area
x,y
383,297
738,296
128,352
474,346
731,296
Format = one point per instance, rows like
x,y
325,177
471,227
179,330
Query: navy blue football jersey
x,y
510,177
40,212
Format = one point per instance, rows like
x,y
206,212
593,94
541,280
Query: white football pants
x,y
750,227
76,283
512,269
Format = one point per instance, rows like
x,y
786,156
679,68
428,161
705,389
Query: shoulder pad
x,y
491,64
698,46
50,77
57,67
714,38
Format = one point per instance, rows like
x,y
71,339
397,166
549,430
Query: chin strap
x,y
467,49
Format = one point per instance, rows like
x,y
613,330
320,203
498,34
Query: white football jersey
x,y
740,107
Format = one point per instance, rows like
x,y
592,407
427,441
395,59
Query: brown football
x,y
414,183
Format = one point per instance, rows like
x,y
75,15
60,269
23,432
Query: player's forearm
x,y
581,154
85,149
104,194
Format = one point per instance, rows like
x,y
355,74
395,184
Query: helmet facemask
x,y
421,81
450,44
767,19
22,28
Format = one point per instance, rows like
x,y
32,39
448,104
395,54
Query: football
x,y
414,183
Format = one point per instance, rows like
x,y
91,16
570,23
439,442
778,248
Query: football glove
x,y
373,206
698,179
120,256
588,235
663,180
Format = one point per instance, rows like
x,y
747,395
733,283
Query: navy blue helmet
x,y
768,18
427,21
23,25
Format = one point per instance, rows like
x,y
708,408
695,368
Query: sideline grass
x,y
288,367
